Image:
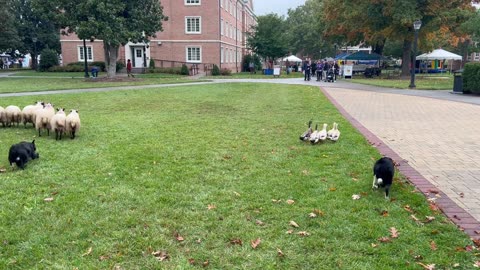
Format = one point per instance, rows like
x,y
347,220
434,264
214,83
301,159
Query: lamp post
x,y
85,65
35,64
416,25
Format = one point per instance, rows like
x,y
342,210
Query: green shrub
x,y
99,64
48,59
184,70
248,58
225,72
215,70
152,64
471,78
120,65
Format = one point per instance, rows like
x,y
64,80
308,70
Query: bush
x,y
120,65
215,70
99,64
248,58
471,78
152,64
225,72
49,59
184,70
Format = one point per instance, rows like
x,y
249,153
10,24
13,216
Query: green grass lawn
x,y
200,172
422,82
16,85
258,75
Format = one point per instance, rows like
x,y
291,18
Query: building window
x,y
192,2
222,30
81,56
193,25
221,55
194,55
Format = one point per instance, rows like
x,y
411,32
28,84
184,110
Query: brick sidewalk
x,y
439,139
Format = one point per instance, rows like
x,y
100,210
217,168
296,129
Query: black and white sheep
x,y
73,123
43,117
58,123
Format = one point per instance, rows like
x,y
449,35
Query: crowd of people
x,y
321,69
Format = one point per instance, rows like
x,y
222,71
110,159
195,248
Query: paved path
x,y
435,134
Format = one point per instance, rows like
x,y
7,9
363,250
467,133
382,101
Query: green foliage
x,y
99,64
169,70
49,59
215,70
249,58
119,66
184,70
152,64
267,38
225,72
9,39
471,78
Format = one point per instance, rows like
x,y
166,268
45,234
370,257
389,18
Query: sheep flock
x,y
43,118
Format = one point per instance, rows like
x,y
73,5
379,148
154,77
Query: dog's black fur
x,y
383,172
21,153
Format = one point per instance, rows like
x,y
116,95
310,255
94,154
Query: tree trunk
x,y
406,58
111,55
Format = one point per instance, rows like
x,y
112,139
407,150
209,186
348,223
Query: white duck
x,y
314,136
322,135
306,135
330,132
336,133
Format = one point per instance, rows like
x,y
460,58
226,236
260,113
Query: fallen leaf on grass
x,y
429,219
476,242
305,172
293,224
104,257
236,194
211,206
374,245
161,255
393,232
289,232
3,170
276,201
303,233
290,201
178,237
318,212
312,215
280,253
476,264
407,207
427,266
49,199
259,222
236,241
354,179
384,213
205,263
384,239
89,251
332,189
433,246
356,197
434,207
255,243
191,261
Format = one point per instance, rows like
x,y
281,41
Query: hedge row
x,y
79,67
471,78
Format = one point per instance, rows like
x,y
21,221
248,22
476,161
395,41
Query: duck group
x,y
316,136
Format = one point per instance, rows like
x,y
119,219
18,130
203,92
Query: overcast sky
x,y
262,7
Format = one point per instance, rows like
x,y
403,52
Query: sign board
x,y
276,71
347,71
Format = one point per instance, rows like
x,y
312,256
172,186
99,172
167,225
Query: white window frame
x,y
89,53
199,54
193,2
222,56
187,18
222,30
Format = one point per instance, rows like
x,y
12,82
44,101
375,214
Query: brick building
x,y
202,32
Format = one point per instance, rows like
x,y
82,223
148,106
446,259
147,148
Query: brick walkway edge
x,y
456,214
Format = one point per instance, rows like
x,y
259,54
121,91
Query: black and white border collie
x,y
383,172
21,153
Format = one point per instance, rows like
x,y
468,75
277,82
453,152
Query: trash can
x,y
458,81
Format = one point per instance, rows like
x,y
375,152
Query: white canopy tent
x,y
292,58
439,54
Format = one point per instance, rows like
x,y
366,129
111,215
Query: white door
x,y
138,55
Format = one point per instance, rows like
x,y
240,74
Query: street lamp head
x,y
417,24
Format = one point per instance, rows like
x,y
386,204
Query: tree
x,y
32,25
267,38
9,39
375,21
116,22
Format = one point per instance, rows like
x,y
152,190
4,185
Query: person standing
x,y
306,69
129,69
